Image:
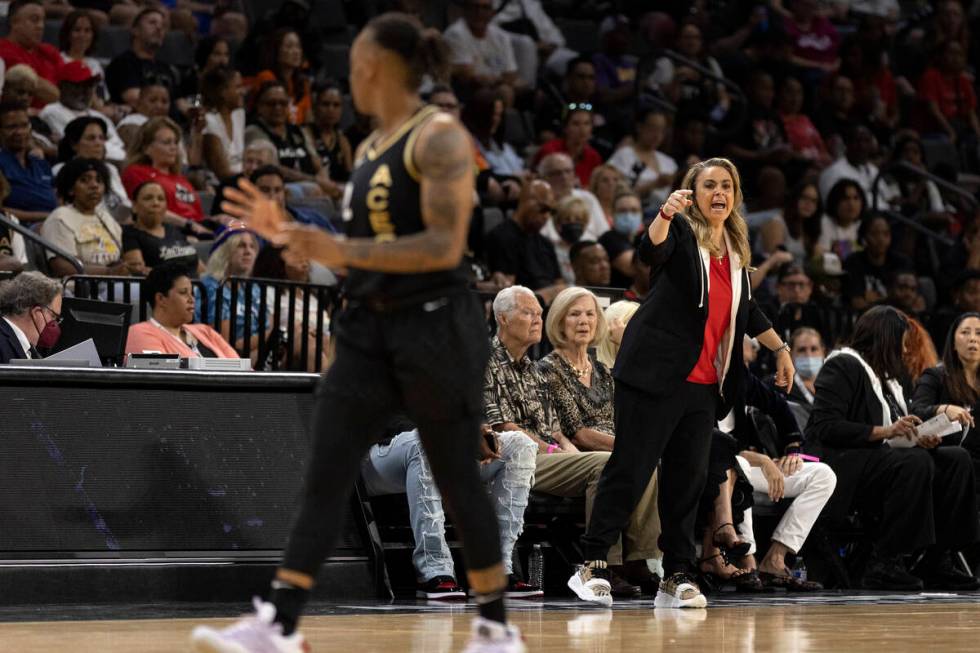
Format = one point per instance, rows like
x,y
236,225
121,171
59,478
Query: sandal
x,y
730,552
747,580
789,583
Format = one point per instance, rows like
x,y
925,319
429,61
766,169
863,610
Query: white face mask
x,y
808,366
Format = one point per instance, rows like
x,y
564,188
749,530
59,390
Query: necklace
x,y
579,372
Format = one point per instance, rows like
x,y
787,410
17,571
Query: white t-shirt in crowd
x,y
837,239
134,119
864,175
95,238
57,116
491,55
627,162
234,143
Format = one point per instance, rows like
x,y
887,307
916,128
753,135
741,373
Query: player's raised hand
x,y
264,216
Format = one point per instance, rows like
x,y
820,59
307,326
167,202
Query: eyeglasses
x,y
58,319
578,106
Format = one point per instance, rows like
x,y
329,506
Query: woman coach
x,y
679,366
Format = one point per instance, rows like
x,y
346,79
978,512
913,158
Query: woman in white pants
x,y
810,485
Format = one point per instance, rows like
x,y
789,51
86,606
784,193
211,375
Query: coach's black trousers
x,y
426,362
676,430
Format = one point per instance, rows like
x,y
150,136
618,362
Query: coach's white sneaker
x,y
679,591
591,584
492,637
254,633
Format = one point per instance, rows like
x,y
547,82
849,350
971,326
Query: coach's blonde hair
x,y
735,225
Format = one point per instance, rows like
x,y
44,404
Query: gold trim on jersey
x,y
373,152
408,154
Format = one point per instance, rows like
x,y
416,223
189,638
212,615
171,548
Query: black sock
x,y
289,601
492,606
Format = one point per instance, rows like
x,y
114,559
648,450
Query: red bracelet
x,y
664,216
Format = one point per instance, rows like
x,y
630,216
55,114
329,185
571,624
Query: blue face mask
x,y
627,222
808,366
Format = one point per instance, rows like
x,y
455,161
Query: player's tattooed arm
x,y
444,157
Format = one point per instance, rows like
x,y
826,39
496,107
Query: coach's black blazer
x,y
9,344
663,339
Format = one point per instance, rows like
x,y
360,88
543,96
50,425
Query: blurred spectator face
x,y
904,291
164,149
15,130
570,222
557,170
849,207
806,204
149,32
254,158
804,10
220,56
536,205
861,146
912,153
954,58
274,107
81,35
592,267
92,143
650,132
272,187
879,236
19,92
808,354
762,90
950,17
522,325
77,96
154,101
477,14
689,41
328,109
581,82
233,94
772,187
795,289
692,136
968,296
967,340
151,204
842,95
243,254
177,306
27,26
291,51
605,184
297,270
447,102
581,320
578,129
790,97
88,191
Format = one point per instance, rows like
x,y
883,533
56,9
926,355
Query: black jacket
x,y
663,340
845,410
9,344
930,392
772,404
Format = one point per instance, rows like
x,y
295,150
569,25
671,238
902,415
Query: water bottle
x,y
799,570
535,571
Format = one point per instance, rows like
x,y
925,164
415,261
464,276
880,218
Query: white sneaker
x,y
679,591
592,585
255,633
493,637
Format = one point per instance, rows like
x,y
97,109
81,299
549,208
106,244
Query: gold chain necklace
x,y
578,372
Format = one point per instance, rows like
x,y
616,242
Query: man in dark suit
x,y
30,312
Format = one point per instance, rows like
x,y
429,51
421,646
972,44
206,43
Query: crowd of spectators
x,y
854,126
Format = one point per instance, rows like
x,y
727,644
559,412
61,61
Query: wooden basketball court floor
x,y
884,623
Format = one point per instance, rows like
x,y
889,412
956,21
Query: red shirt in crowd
x,y
804,137
589,161
44,59
719,317
817,43
954,95
181,198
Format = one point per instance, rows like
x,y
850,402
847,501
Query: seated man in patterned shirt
x,y
516,399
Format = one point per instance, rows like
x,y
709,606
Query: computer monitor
x,y
107,323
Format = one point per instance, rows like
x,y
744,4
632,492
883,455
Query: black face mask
x,y
571,232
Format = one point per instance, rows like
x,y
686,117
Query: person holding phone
x,y
678,370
